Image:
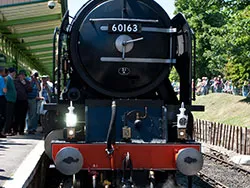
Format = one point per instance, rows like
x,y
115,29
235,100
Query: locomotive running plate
x,y
124,28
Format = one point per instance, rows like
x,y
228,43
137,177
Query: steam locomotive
x,y
117,121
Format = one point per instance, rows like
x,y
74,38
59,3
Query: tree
x,y
238,43
222,32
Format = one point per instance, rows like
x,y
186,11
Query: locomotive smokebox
x,y
189,161
122,48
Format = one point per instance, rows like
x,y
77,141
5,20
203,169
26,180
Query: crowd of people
x,y
219,85
20,97
216,85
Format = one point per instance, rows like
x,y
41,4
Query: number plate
x,y
124,28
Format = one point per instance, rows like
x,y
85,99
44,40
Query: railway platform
x,y
19,156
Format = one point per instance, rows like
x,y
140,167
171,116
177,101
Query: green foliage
x,y
174,76
222,29
238,40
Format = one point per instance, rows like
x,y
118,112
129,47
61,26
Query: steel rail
x,y
227,164
210,181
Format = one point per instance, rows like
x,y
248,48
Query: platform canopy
x,y
27,27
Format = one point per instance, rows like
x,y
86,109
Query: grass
x,y
224,108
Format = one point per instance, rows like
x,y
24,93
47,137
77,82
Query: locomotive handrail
x,y
123,19
160,30
170,46
61,32
137,60
194,64
54,58
111,130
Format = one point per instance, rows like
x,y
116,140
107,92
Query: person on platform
x,y
23,87
3,91
32,116
11,100
46,89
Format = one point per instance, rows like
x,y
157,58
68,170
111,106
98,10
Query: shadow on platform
x,y
2,148
5,178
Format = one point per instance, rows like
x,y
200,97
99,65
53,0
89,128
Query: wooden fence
x,y
230,137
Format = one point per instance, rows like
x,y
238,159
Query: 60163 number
x,y
124,28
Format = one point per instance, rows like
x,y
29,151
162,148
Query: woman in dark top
x,y
22,88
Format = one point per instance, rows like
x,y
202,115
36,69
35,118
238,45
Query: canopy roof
x,y
29,25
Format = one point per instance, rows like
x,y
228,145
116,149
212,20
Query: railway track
x,y
227,164
216,165
210,181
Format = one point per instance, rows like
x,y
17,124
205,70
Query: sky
x,y
168,6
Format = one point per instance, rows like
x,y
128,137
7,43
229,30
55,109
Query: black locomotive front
x,y
116,65
122,48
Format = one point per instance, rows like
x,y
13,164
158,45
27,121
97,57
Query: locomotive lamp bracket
x,y
71,118
182,118
181,134
71,132
182,121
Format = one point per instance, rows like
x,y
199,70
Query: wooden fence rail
x,y
230,137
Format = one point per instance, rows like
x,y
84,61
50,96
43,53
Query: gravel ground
x,y
227,176
183,182
228,154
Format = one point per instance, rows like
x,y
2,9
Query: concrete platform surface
x,y
18,157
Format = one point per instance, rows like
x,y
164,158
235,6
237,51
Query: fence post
x,y
248,133
200,129
197,125
229,137
193,132
203,130
217,136
245,144
221,129
224,132
237,141
211,132
232,146
206,131
214,134
226,140
196,130
196,133
241,140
